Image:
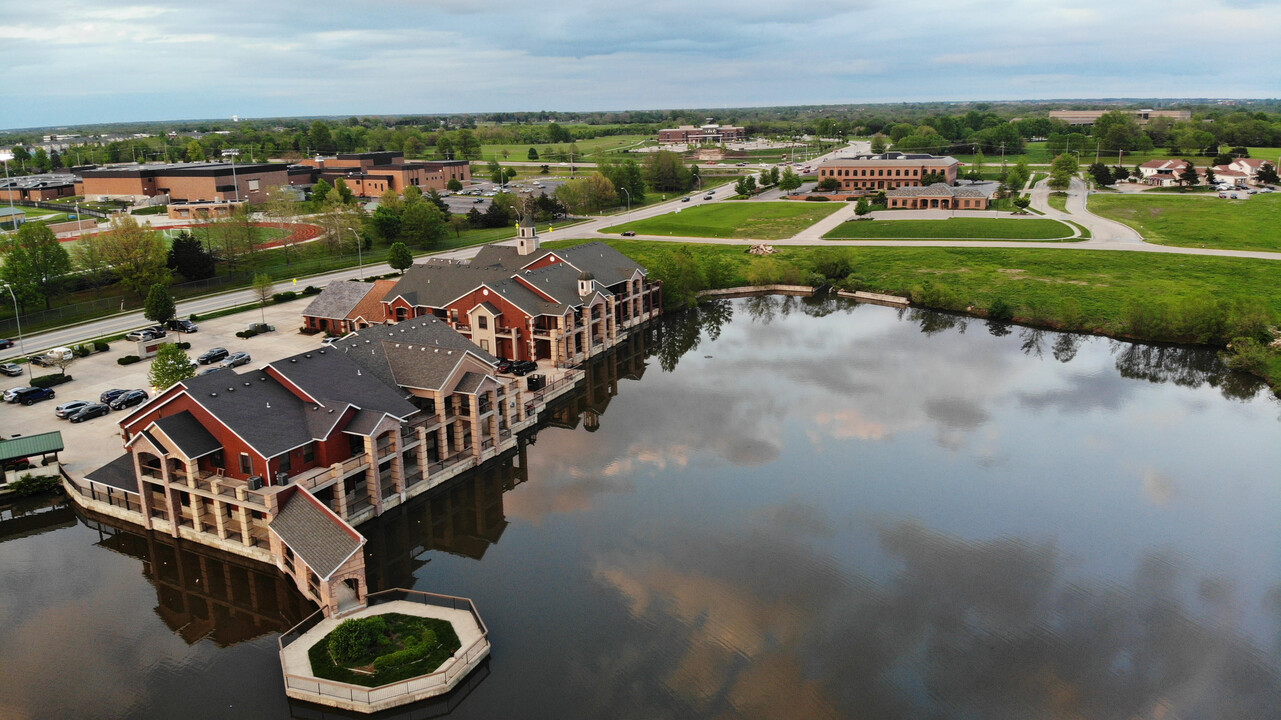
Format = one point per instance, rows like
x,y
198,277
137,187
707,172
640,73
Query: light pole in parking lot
x,y
629,199
22,349
232,153
360,261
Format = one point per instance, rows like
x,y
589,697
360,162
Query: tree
x,y
195,151
829,184
233,236
773,176
532,154
626,175
445,148
385,223
320,137
587,194
468,145
35,264
399,257
1062,168
1022,203
320,193
1267,174
930,178
746,186
1209,176
136,254
495,170
434,198
344,193
263,288
1101,173
454,185
1189,176
665,172
878,144
188,257
509,174
87,257
282,204
459,223
159,307
789,180
681,275
558,134
422,225
862,207
170,365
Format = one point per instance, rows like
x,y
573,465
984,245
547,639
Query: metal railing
x,y
447,673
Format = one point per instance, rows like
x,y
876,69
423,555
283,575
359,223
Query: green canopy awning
x,y
29,445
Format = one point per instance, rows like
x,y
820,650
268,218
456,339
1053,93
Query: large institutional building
x,y
184,182
887,170
373,173
709,133
1088,117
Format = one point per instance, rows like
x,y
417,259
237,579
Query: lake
x,y
768,508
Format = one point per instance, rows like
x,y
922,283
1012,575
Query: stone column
x,y
422,452
371,476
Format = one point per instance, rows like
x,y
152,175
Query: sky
x,y
87,61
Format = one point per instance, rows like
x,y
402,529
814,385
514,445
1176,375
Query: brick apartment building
x,y
184,182
937,196
887,170
373,173
710,133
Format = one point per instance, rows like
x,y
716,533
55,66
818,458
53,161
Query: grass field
x,y
1098,282
588,148
952,228
1037,154
1058,201
1198,220
758,220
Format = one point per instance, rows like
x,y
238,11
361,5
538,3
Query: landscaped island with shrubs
x,y
383,649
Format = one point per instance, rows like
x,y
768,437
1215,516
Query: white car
x,y
11,394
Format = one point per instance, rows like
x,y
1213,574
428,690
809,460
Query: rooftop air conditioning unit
x,y
255,482
282,478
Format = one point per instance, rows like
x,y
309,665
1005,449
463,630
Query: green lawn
x,y
1198,220
1037,154
1092,285
758,220
588,148
952,228
1058,201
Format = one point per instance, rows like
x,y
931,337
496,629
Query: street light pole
x,y
629,199
360,262
6,156
22,348
236,185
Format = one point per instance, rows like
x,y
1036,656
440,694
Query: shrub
x,y
285,296
1000,310
816,198
29,484
311,290
308,330
183,345
80,351
354,639
413,652
127,360
246,334
1246,354
100,346
49,380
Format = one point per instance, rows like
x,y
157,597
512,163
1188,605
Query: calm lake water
x,y
770,508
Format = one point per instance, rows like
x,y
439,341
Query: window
x,y
285,464
246,466
482,322
309,453
253,184
217,460
484,345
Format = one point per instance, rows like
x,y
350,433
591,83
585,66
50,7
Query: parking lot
x,y
93,442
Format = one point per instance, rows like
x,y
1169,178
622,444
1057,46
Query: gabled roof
x,y
337,300
317,535
334,380
191,438
118,473
417,353
935,190
438,284
606,264
370,308
29,445
254,406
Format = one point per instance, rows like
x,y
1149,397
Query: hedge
x,y
311,290
183,345
45,381
100,346
29,484
285,296
127,360
353,639
246,334
411,654
816,198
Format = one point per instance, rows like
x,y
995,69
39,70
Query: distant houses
x,y
1169,173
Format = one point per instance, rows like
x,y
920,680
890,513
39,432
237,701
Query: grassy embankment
x,y
757,220
963,228
584,150
1038,153
1145,296
1199,220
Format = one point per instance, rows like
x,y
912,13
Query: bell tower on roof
x,y
527,235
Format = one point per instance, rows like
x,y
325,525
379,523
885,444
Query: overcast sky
x,y
84,61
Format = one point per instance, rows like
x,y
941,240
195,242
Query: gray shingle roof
x,y
470,383
607,265
935,190
335,380
192,439
319,537
118,474
437,284
338,299
256,407
418,353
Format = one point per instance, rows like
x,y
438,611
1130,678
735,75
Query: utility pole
x,y
1097,146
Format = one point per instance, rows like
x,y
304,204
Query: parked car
x,y
212,355
110,395
88,412
478,200
213,369
234,359
129,399
11,369
685,199
523,367
261,327
68,409
31,396
5,343
49,358
182,326
11,394
142,335
503,366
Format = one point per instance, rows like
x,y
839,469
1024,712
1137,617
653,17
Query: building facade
x,y
938,196
1089,117
709,133
373,173
184,182
887,170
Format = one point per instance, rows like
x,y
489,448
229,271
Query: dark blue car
x,y
31,396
